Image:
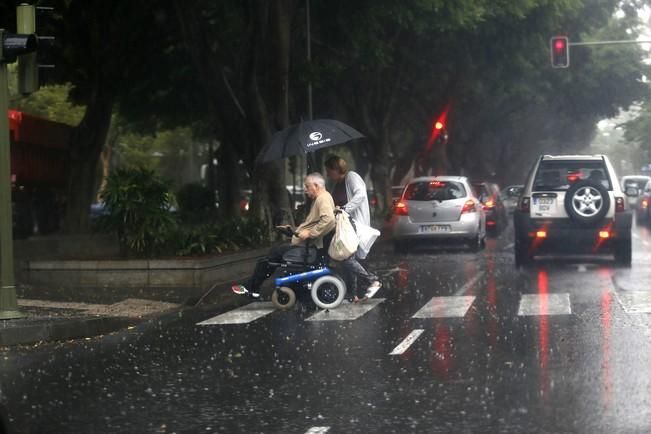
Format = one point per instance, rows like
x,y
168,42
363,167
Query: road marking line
x,y
346,311
581,268
509,246
636,236
242,315
545,304
635,301
406,342
318,430
446,307
469,284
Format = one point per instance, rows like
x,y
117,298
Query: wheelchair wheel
x,y
283,298
328,292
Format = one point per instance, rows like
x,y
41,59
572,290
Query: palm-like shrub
x,y
139,211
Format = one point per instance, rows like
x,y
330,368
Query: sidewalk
x,y
73,313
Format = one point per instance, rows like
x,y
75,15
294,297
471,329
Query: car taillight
x,y
469,206
489,204
645,203
401,208
525,203
619,204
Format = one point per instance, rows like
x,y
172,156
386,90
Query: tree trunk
x,y
86,144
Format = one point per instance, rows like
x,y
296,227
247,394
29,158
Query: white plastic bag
x,y
367,236
344,243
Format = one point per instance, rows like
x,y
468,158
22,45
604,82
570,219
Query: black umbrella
x,y
308,136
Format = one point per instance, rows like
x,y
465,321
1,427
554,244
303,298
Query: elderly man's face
x,y
311,189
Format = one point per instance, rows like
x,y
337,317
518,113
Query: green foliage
x,y
174,154
51,102
230,235
139,204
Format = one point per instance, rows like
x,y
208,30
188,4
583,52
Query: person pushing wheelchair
x,y
318,223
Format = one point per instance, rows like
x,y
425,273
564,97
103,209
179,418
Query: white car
x,y
572,204
438,208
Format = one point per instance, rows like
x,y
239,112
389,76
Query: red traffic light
x,y
560,51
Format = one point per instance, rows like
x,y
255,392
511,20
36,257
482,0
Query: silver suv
x,y
572,204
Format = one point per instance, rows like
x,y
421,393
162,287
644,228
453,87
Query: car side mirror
x,y
632,192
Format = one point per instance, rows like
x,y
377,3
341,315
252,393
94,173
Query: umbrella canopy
x,y
308,136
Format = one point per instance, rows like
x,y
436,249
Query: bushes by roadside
x,y
140,210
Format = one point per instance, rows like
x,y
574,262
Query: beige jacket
x,y
319,221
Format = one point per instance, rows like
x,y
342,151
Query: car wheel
x,y
623,252
587,202
477,243
522,255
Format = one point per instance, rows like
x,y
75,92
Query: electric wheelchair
x,y
305,268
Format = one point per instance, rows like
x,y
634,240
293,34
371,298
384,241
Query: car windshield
x,y
435,190
561,175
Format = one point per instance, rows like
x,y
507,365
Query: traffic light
x,y
14,45
560,51
27,65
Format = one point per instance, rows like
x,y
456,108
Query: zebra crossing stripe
x,y
635,301
545,304
318,430
242,315
446,307
346,311
406,343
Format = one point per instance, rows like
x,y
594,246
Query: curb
x,y
60,330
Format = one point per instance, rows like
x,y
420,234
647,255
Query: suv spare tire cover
x,y
587,202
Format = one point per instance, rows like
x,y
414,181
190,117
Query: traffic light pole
x,y
8,303
625,41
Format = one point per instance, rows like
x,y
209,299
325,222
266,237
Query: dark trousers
x,y
357,278
266,266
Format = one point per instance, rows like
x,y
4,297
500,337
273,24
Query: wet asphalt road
x,y
454,342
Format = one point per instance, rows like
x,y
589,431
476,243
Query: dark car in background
x,y
496,214
636,181
643,204
510,196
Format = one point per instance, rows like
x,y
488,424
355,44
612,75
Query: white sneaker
x,y
373,289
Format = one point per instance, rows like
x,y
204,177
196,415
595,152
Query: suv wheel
x,y
587,202
623,252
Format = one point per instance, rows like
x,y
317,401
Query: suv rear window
x,y
435,190
560,175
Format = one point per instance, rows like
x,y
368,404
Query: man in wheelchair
x,y
319,222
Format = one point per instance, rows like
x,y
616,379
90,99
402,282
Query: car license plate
x,y
543,203
434,228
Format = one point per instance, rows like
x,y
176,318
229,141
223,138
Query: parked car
x,y
510,196
437,208
637,181
572,204
489,195
642,213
